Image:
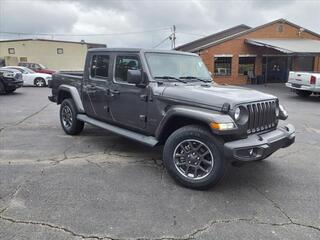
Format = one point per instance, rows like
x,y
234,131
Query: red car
x,y
37,67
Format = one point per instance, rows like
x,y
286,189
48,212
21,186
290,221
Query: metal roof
x,y
213,38
288,45
52,40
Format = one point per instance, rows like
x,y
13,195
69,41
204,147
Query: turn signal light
x,y
222,126
313,79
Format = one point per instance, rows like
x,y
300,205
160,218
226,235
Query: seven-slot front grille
x,y
262,116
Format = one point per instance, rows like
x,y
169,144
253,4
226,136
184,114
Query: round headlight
x,y
237,113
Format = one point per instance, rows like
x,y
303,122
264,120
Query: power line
x,y
167,38
194,34
80,35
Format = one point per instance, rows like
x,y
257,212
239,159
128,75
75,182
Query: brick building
x,y
266,52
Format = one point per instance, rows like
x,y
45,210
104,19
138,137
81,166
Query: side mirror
x,y
134,76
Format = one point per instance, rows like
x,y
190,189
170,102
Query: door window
x,y
100,66
123,63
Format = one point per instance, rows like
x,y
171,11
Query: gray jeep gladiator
x,y
168,98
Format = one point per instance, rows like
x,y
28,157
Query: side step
x,y
148,140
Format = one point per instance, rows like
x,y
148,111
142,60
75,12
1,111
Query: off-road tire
x,y
39,82
75,126
203,135
303,93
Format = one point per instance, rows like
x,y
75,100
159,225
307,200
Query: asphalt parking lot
x,y
101,186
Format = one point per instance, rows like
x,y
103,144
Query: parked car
x,y
168,97
31,78
304,83
37,67
10,80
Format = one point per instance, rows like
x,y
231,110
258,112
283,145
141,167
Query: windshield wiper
x,y
169,78
196,78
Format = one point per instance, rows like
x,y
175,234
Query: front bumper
x,y
261,145
52,99
13,84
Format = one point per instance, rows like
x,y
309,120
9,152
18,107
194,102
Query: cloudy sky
x,y
145,23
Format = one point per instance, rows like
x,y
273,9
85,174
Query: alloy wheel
x,y
193,159
66,116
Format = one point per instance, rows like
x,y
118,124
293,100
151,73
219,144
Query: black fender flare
x,y
74,94
205,116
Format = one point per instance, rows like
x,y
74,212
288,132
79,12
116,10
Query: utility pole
x,y
173,37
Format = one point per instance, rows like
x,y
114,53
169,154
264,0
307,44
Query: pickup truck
x,y
10,80
304,83
168,98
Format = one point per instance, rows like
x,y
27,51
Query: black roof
x,y
213,38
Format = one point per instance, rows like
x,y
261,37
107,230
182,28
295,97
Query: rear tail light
x,y
313,80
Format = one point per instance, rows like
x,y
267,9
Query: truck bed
x,y
70,78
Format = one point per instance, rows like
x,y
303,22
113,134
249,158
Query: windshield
x,y
176,66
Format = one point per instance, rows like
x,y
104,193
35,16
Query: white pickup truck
x,y
304,83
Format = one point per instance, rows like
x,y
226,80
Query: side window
x,y
99,66
123,63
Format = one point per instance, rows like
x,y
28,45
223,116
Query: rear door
x,y
128,102
95,86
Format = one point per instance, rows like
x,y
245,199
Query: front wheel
x,y
39,82
68,118
192,156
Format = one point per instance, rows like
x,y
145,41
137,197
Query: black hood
x,y
214,95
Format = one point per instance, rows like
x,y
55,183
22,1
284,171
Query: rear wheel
x,y
68,118
39,82
303,93
192,157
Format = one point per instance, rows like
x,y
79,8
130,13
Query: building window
x,y
99,66
222,66
23,59
246,65
11,51
59,50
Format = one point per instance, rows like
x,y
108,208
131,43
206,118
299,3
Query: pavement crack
x,y
273,203
52,226
198,231
31,115
291,221
13,194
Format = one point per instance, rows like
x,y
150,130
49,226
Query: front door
x,y
95,87
128,102
277,69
